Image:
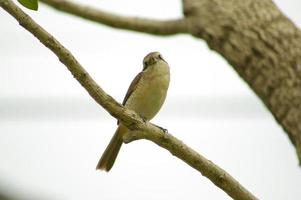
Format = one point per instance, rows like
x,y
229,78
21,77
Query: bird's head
x,y
151,59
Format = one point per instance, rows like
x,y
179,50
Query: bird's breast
x,y
150,94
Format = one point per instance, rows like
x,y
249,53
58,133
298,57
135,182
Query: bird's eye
x,y
145,63
160,56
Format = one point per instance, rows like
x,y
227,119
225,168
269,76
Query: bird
x,y
145,96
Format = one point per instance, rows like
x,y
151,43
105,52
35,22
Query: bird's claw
x,y
143,118
163,129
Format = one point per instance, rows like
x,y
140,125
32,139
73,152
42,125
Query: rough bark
x,y
263,46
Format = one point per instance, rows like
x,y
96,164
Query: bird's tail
x,y
108,158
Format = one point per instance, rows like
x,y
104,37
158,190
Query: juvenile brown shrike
x,y
145,96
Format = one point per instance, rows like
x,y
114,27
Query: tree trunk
x,y
262,45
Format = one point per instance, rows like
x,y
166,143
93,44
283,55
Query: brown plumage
x,y
145,96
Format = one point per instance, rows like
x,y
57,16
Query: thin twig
x,y
143,130
157,27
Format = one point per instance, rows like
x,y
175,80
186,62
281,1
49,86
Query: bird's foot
x,y
143,118
163,129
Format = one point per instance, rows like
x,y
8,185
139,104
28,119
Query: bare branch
x,y
143,130
207,168
157,27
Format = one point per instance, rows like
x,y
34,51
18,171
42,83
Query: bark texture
x,y
262,45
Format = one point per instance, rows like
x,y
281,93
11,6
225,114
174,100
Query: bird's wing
x,y
132,87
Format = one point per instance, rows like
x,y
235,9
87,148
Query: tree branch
x,y
263,46
156,27
143,130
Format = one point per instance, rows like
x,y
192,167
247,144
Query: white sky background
x,y
52,133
